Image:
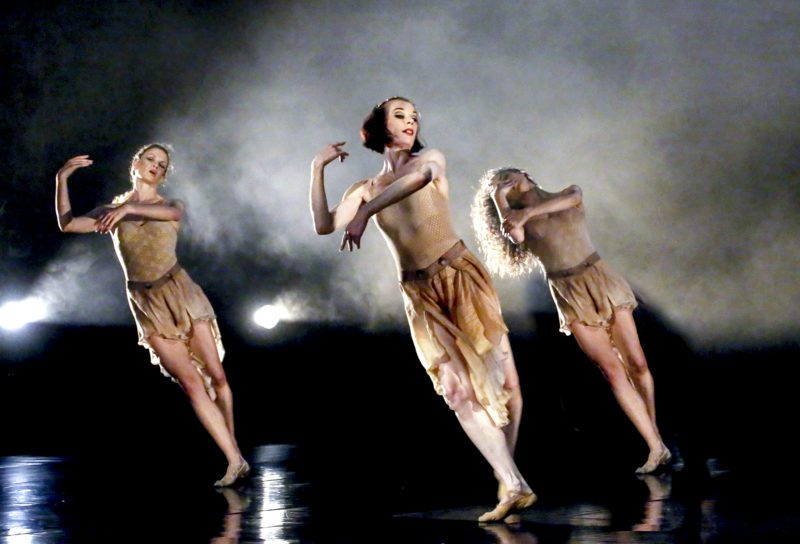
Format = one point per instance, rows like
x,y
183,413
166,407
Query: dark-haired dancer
x,y
521,227
452,308
174,319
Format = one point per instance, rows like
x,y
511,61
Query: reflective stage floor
x,y
289,499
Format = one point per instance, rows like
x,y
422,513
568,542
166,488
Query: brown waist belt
x,y
439,264
142,285
586,263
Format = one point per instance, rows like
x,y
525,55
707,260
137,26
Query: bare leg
x,y
626,338
204,347
596,344
176,360
480,429
515,402
511,430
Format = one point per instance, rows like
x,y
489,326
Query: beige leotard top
x,y
560,240
146,249
418,228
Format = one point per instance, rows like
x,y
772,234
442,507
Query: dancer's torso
x,y
560,240
146,249
418,229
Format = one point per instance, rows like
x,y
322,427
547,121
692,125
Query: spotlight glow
x,y
269,315
16,314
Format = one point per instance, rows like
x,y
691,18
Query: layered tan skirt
x,y
591,296
169,309
460,301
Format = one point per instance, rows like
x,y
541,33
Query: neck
x,y
394,158
145,191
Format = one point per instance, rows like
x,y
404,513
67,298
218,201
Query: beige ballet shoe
x,y
230,477
655,462
516,500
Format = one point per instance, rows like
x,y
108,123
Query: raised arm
x,y
514,219
568,198
328,220
432,166
66,221
515,232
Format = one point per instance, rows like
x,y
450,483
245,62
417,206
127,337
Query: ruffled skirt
x,y
170,311
460,301
591,297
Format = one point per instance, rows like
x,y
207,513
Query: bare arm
x,y
568,198
500,197
328,220
514,220
168,210
66,221
432,167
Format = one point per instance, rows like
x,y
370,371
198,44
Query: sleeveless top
x,y
565,243
146,249
418,226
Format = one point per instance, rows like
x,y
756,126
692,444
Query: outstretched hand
x,y
79,161
353,232
331,152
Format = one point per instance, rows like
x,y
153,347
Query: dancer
x,y
519,228
452,308
173,317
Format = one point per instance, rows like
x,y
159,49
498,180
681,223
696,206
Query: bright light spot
x,y
269,315
15,315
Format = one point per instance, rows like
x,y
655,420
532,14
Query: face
x,y
518,181
402,124
151,166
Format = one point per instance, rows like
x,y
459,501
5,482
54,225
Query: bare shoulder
x,y
575,191
433,155
175,203
356,190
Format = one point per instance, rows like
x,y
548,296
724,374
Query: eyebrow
x,y
414,112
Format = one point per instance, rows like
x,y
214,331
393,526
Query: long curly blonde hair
x,y
501,256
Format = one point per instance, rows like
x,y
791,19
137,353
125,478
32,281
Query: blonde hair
x,y
166,148
501,256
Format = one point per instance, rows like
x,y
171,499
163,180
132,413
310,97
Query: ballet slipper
x,y
232,475
516,500
655,462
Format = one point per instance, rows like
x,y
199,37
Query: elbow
x,y
322,229
577,195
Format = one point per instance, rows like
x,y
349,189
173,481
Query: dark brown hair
x,y
373,132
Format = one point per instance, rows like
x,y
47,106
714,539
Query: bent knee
x,y
458,397
218,378
638,365
193,385
612,371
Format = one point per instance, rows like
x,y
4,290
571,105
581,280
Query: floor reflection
x,y
62,500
